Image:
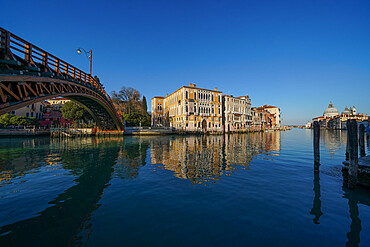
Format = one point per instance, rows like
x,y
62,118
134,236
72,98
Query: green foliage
x,y
134,119
23,121
74,111
134,111
145,107
9,119
5,119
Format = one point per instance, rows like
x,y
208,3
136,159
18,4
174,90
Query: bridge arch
x,y
39,76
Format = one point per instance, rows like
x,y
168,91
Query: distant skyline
x,y
297,55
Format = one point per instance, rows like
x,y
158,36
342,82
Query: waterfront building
x,y
334,120
53,117
157,111
273,118
189,108
35,110
237,114
265,117
57,103
258,118
340,121
331,111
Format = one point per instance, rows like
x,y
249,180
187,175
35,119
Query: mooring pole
x,y
316,145
347,146
353,154
361,140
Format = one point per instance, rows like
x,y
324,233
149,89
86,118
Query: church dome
x,y
346,111
331,111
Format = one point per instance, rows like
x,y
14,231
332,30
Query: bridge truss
x,y
29,74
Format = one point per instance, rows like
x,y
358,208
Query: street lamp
x,y
79,51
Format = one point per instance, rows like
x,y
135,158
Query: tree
x,y
134,111
145,107
5,119
23,121
127,100
74,111
136,119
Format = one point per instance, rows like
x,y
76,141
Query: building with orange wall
x,y
189,108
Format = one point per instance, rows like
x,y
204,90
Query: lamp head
x,y
79,51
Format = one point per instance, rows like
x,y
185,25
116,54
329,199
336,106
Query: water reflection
x,y
92,161
316,208
20,155
96,164
355,197
132,155
206,158
334,140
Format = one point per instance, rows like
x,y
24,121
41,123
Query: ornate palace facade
x,y
237,115
189,108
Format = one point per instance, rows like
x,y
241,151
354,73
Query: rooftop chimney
x,y
215,88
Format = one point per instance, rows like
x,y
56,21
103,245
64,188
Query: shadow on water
x,y
59,224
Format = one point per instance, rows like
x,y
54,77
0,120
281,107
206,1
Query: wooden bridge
x,y
29,74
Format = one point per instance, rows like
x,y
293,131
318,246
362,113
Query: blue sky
x,y
298,55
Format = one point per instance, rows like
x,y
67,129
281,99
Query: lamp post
x,y
79,51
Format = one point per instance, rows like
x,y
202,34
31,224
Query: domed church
x,y
331,111
334,120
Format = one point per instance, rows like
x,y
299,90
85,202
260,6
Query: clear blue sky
x,y
298,55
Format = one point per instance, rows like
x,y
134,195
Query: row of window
x,y
187,119
37,115
237,101
33,106
210,125
199,95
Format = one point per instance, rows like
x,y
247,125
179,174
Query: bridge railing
x,y
37,56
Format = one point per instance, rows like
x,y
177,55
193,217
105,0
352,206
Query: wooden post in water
x,y
361,140
347,146
316,145
353,154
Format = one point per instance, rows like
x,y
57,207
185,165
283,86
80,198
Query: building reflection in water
x,y
206,158
333,139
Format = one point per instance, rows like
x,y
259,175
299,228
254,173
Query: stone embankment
x,y
82,132
24,132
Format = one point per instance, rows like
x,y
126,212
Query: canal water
x,y
236,190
